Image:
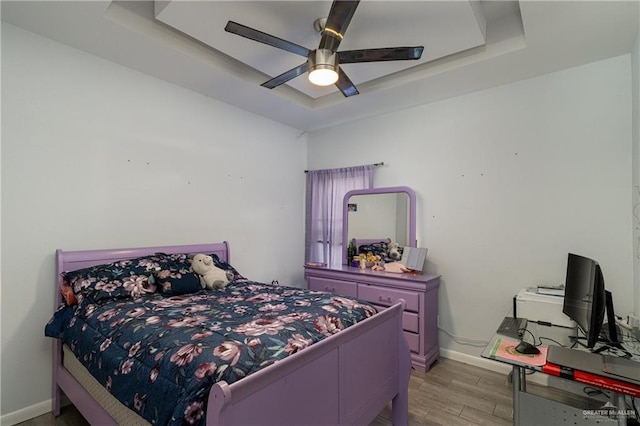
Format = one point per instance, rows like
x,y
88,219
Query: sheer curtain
x,y
325,193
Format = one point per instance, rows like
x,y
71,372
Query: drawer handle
x,y
332,289
382,299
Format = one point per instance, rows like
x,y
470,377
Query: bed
x,y
377,246
368,241
347,377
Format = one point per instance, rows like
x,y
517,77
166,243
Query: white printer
x,y
530,304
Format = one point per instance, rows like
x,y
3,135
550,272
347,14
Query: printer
x,y
534,306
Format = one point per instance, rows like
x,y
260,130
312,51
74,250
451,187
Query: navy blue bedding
x,y
160,355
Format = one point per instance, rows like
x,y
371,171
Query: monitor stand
x,y
612,340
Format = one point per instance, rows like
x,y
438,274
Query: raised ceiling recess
x,y
468,46
456,25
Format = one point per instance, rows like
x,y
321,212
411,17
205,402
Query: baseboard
x,y
31,412
26,413
487,364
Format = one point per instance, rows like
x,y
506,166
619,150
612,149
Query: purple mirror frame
x,y
388,190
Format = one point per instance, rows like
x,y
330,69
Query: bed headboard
x,y
73,260
362,241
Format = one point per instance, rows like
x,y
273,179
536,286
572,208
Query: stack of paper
x,y
557,290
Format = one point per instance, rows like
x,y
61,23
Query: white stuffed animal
x,y
393,251
211,276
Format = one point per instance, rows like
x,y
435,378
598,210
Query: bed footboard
x,y
346,379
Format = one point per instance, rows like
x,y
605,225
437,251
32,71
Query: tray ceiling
x,y
469,46
457,25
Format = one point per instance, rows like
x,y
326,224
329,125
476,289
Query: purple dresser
x,y
420,318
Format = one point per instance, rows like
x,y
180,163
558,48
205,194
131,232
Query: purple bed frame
x,y
347,378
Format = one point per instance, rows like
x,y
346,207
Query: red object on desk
x,y
606,383
558,371
592,379
551,369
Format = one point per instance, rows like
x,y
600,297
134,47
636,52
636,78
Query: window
x,y
325,193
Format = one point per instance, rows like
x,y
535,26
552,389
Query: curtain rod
x,y
375,164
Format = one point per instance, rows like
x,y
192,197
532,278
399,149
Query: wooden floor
x,y
453,393
450,394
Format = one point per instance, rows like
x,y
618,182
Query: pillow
x,y
121,279
131,277
176,276
177,284
224,265
379,249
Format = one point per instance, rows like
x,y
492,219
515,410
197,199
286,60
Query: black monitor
x,y
586,300
584,296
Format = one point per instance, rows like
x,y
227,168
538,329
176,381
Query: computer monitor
x,y
584,296
586,300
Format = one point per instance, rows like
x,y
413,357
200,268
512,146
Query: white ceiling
x,y
469,45
375,24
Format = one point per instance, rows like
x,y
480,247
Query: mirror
x,y
379,214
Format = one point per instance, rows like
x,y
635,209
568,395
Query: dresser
x,y
382,289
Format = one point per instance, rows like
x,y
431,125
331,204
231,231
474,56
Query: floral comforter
x,y
160,355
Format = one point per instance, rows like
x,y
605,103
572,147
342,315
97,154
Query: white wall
x,y
95,155
508,180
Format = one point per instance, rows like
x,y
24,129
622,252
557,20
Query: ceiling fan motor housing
x,y
319,24
323,59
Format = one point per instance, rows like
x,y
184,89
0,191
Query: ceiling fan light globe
x,y
323,67
323,76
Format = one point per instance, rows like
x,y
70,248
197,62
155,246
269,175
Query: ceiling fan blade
x,y
345,84
259,36
383,54
286,76
337,22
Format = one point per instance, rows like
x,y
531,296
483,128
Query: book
x,y
413,258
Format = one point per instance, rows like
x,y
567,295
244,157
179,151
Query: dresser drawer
x,y
343,288
388,296
413,340
420,292
410,320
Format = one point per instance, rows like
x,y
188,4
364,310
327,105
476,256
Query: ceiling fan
x,y
323,62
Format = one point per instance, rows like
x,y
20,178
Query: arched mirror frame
x,y
388,190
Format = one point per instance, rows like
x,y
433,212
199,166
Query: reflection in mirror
x,y
380,214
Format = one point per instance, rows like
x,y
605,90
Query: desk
x,y
529,409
